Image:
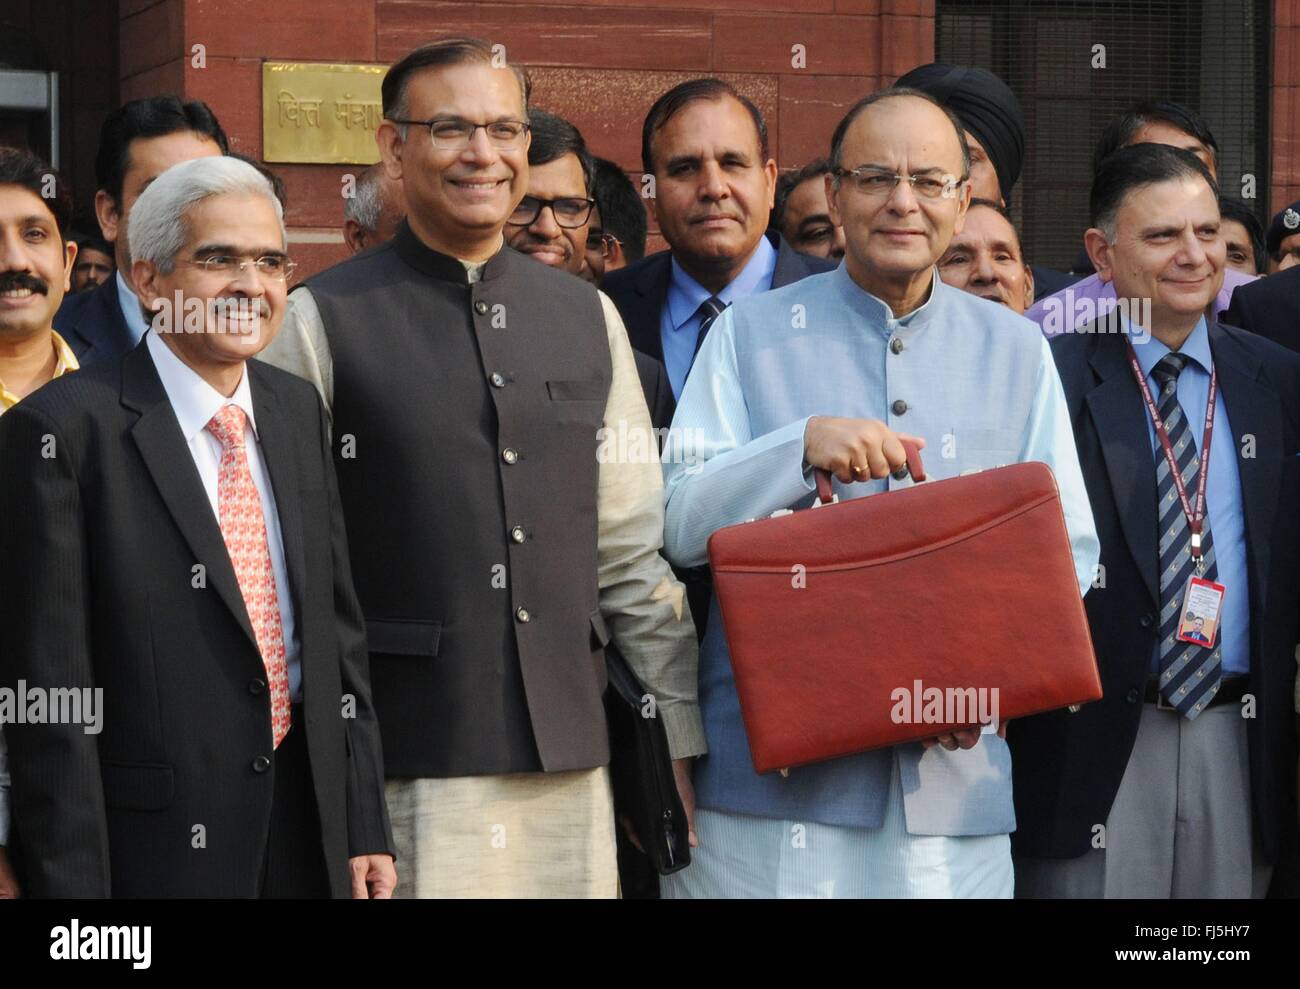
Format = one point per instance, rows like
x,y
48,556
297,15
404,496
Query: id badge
x,y
1202,606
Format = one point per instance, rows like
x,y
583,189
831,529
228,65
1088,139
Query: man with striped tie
x,y
1180,782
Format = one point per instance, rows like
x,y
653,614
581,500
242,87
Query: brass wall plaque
x,y
318,113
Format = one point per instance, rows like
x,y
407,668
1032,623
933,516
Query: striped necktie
x,y
1189,674
710,309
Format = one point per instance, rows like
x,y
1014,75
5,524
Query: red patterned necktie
x,y
244,530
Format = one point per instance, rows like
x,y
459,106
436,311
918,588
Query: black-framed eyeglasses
x,y
880,182
455,133
569,212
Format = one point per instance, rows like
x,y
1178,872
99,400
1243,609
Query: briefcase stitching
x,y
904,555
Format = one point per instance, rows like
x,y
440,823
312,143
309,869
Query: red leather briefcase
x,y
902,615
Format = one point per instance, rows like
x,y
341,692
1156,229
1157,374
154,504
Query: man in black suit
x,y
175,557
138,142
1180,781
705,145
1269,308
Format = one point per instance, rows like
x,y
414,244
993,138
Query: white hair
x,y
156,227
365,205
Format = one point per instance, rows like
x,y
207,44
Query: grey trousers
x,y
1180,826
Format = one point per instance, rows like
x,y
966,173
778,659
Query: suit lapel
x,y
276,439
1255,411
790,265
119,334
1120,418
157,434
651,287
101,324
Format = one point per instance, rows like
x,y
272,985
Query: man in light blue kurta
x,y
978,383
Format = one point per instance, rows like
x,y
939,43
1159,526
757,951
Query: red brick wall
x,y
1285,111
601,63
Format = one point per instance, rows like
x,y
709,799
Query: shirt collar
x,y
193,400
129,303
67,360
878,311
686,295
1149,350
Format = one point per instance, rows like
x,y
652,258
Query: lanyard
x,y
1195,518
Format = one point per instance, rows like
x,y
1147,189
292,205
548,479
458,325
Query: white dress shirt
x,y
195,402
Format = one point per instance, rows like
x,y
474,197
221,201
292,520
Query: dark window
x,y
1211,55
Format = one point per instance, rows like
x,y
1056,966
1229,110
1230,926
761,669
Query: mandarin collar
x,y
443,267
877,312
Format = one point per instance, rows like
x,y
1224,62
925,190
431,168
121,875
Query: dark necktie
x,y
709,310
1189,674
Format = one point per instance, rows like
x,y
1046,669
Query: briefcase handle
x,y
911,466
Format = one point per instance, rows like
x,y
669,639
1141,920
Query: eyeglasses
x,y
454,134
275,267
877,182
569,212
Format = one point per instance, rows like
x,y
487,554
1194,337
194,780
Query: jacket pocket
x,y
403,637
582,390
137,785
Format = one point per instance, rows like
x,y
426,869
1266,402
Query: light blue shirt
x,y
129,303
1222,490
679,324
981,387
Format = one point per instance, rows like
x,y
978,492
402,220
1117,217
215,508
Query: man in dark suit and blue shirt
x,y
138,142
705,145
174,549
1180,781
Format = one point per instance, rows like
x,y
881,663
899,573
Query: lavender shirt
x,y
1079,304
